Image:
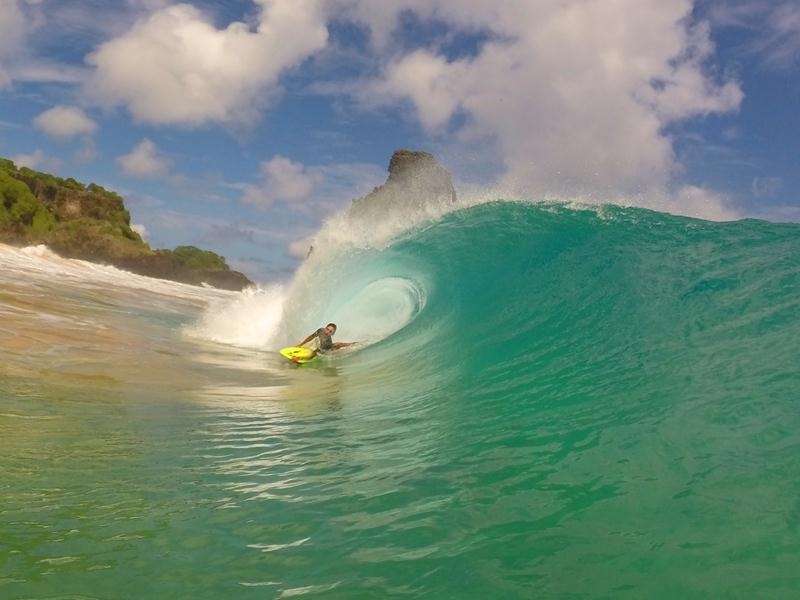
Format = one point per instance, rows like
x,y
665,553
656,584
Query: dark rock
x,y
416,179
415,167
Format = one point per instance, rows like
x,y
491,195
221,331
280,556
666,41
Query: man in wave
x,y
325,343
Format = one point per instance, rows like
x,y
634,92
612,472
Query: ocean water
x,y
547,402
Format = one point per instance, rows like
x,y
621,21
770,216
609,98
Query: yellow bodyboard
x,y
299,355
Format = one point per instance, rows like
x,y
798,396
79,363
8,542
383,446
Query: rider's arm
x,y
337,345
308,339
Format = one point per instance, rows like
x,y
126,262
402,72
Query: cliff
x,y
91,223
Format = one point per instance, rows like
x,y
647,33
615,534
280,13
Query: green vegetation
x,y
91,223
195,258
20,212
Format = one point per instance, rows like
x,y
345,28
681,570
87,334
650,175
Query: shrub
x,y
19,205
195,258
43,221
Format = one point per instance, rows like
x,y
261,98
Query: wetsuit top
x,y
325,341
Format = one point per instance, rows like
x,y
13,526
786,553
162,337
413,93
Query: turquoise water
x,y
554,403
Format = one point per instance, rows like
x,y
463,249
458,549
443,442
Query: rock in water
x,y
417,181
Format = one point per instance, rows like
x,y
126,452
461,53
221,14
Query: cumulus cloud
x,y
31,160
65,122
281,180
21,22
427,80
574,96
176,67
37,160
145,161
695,201
141,230
316,190
13,27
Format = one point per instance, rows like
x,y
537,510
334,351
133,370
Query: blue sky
x,y
239,126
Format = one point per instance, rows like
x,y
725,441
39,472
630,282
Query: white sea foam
x,y
331,284
250,319
35,265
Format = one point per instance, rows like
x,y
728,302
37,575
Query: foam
x,y
40,262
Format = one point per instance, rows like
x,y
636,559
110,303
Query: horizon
x,y
240,127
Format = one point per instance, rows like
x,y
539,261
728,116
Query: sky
x,y
240,125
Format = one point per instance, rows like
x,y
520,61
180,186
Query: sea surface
x,y
547,401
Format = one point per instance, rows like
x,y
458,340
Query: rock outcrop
x,y
91,223
416,179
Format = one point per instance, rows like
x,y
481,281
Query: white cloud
x,y
575,96
299,248
781,45
774,27
32,160
695,201
145,161
339,183
13,28
37,160
65,122
176,67
22,29
281,180
317,190
141,230
429,81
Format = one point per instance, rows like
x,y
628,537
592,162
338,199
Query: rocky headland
x,y
91,223
415,178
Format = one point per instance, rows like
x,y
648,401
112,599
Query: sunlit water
x,y
548,403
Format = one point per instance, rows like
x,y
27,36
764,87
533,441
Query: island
x,y
416,180
91,223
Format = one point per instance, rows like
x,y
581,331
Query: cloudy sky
x,y
239,126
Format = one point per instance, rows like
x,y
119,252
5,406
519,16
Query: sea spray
x,y
338,280
251,319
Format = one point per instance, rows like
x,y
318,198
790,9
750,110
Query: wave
x,y
526,293
39,264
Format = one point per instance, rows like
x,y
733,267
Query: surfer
x,y
325,341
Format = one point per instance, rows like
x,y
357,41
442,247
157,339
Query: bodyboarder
x,y
325,343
